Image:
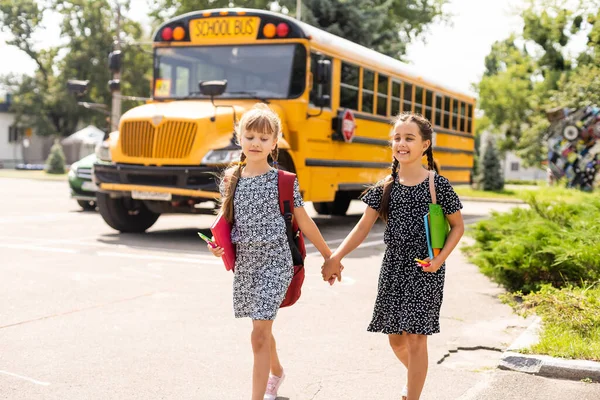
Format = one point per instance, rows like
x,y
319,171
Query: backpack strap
x,y
432,186
285,185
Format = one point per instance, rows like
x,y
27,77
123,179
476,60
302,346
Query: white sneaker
x,y
404,392
273,385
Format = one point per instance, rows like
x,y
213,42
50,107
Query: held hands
x,y
332,269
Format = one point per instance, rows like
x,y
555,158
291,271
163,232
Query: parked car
x,y
83,189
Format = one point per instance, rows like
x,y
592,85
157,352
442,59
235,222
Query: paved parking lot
x,y
88,313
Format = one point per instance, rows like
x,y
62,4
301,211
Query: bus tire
x,y
323,207
87,205
284,161
339,206
122,218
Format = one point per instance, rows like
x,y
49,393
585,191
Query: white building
x,y
10,137
19,145
514,171
512,165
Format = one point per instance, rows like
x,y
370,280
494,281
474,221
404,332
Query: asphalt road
x,y
88,313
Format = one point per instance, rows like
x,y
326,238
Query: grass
x,y
37,175
467,191
571,320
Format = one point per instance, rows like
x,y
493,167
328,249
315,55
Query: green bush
x,y
55,164
554,241
571,320
491,169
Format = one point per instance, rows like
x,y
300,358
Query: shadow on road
x,y
333,228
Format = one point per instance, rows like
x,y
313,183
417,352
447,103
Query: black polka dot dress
x,y
408,299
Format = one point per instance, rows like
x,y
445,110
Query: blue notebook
x,y
429,249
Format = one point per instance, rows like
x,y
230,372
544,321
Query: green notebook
x,y
438,224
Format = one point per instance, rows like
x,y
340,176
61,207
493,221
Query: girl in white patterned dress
x,y
263,266
409,296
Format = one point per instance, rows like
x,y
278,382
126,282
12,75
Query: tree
x,y
491,169
42,101
55,164
506,91
384,25
530,73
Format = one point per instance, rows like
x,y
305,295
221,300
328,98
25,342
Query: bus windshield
x,y
252,71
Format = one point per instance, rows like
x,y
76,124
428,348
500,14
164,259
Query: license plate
x,y
226,28
89,186
150,195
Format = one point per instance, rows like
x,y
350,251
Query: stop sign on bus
x,y
348,126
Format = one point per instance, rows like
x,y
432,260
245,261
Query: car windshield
x,y
251,71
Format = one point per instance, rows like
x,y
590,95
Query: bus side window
x,y
325,88
368,91
407,97
382,95
429,105
469,116
349,86
439,103
447,101
418,100
395,110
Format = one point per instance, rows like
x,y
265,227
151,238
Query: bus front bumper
x,y
183,180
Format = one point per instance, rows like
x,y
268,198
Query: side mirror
x,y
212,88
77,87
323,101
323,71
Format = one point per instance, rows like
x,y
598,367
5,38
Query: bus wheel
x,y
323,208
87,205
339,206
285,162
125,215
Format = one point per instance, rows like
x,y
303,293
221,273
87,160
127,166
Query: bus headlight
x,y
103,152
222,156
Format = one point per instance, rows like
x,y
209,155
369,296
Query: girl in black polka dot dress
x,y
409,296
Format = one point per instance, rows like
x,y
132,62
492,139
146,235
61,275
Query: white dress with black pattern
x,y
408,299
263,265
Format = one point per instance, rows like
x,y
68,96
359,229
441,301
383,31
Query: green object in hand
x,y
438,226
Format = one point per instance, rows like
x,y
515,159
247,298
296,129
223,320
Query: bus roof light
x,y
167,33
269,30
178,33
283,29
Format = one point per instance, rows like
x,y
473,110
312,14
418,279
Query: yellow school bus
x,y
335,99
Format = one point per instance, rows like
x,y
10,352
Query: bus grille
x,y
173,139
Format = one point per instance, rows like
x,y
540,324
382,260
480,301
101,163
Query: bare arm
x,y
357,235
310,230
333,266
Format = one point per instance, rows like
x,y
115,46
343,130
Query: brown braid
x,y
231,177
384,207
430,162
275,156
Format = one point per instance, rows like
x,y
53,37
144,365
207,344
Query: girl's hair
x,y
262,120
426,132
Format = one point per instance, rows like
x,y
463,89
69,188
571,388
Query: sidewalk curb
x,y
546,366
491,200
